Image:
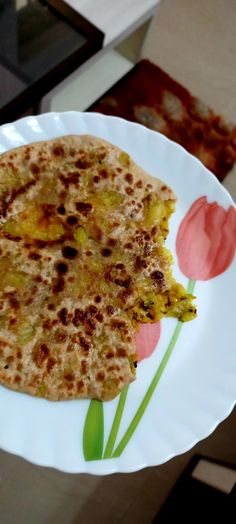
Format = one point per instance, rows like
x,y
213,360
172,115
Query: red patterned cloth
x,y
151,97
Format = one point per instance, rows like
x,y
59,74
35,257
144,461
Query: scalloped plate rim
x,y
111,465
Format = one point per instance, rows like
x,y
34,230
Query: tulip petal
x,y
192,243
146,339
226,251
193,210
215,218
205,243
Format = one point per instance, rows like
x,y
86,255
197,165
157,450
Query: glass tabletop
x,y
36,38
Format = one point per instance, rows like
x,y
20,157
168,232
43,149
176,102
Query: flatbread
x,y
82,262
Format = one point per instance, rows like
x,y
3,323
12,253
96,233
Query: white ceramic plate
x,y
197,388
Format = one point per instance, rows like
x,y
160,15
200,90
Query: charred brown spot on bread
x,y
114,367
84,208
84,343
125,294
29,301
50,364
38,278
64,180
72,220
158,279
92,309
61,210
34,168
83,162
140,263
97,233
41,353
112,242
13,300
121,352
106,252
103,173
79,317
17,379
9,197
70,376
118,275
69,252
33,255
40,244
73,177
47,324
61,336
61,267
63,315
58,151
99,316
10,360
117,324
128,245
83,367
90,325
100,376
110,354
129,190
129,178
59,286
51,307
80,386
123,282
110,310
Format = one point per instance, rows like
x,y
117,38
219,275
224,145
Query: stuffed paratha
x,y
82,261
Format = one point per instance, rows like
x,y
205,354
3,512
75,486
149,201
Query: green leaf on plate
x,y
93,431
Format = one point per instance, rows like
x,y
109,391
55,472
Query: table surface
x,y
41,43
115,18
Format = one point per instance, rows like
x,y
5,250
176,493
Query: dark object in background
x,y
205,492
149,96
41,43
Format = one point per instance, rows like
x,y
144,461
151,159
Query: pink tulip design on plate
x,y
205,247
206,240
147,338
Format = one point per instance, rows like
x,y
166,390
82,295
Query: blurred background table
x,y
41,44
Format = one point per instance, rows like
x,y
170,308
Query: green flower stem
x,y
191,286
116,424
142,407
